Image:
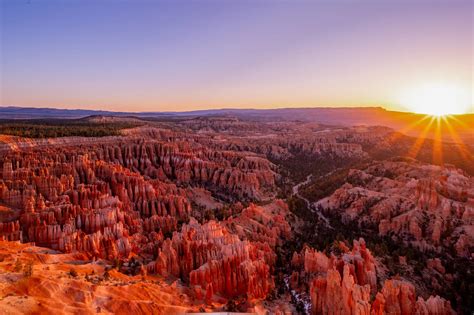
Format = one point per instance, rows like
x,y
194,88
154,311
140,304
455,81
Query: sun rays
x,y
420,140
435,131
462,148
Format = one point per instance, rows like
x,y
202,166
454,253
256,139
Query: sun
x,y
437,100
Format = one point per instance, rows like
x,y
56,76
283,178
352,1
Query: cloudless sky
x,y
183,55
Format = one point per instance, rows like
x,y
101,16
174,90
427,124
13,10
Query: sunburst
x,y
437,127
437,99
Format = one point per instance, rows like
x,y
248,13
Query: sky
x,y
186,55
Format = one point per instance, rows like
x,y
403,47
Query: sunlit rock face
x,y
345,283
427,206
80,204
192,211
398,297
10,231
244,175
126,197
48,286
215,261
93,196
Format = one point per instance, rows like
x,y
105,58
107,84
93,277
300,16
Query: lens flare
x,y
437,100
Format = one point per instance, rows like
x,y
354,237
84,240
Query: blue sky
x,y
182,55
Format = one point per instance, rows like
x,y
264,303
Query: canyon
x,y
220,214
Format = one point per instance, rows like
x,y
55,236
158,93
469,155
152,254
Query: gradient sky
x,y
183,55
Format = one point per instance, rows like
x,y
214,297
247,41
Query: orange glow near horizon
x,y
200,55
456,139
438,99
437,143
420,140
438,126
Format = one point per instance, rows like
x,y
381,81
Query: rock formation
x,y
191,206
431,204
345,284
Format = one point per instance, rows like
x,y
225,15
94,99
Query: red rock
x,y
425,205
344,285
398,297
436,264
333,295
211,257
10,231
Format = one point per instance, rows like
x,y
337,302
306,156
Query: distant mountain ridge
x,y
16,112
302,113
408,123
13,112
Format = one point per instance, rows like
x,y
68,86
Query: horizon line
x,y
229,109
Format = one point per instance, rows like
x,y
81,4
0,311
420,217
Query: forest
x,y
53,128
